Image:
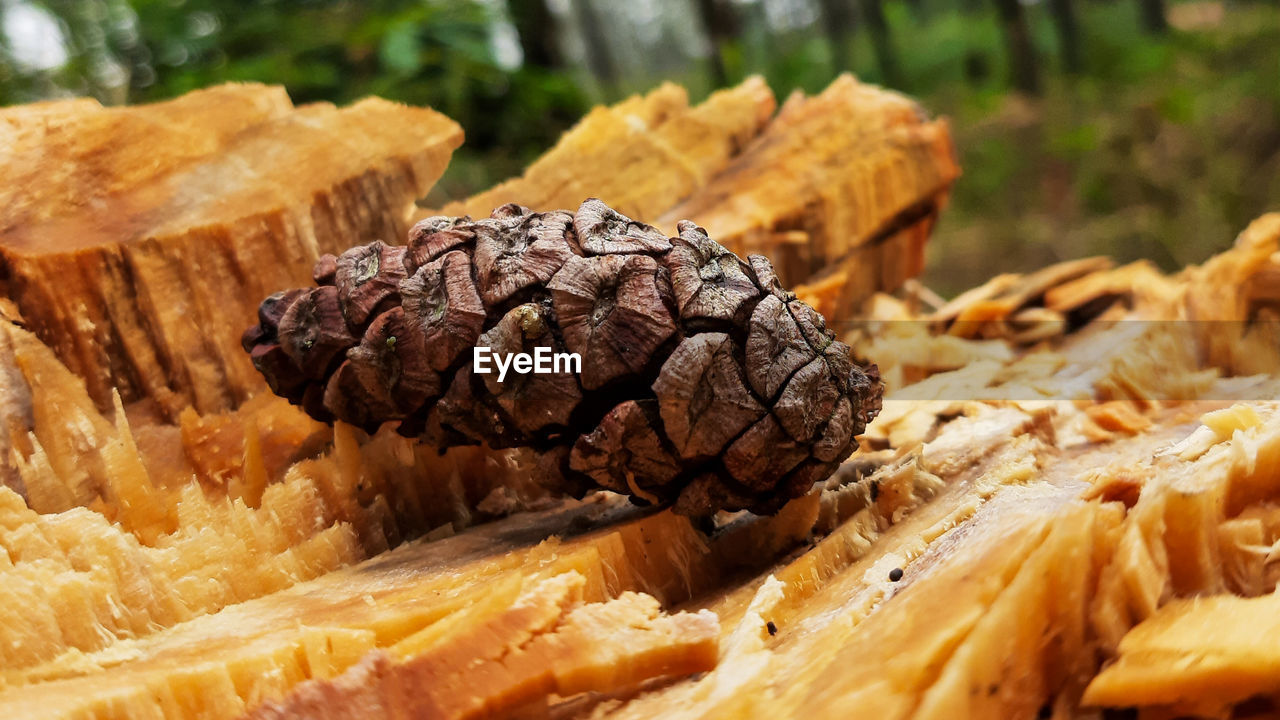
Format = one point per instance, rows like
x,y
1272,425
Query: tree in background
x,y
839,22
882,42
598,56
722,27
70,47
1022,52
1153,17
538,32
1068,29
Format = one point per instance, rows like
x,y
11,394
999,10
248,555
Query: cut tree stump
x,y
157,229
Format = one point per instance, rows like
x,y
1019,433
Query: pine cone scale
x,y
443,306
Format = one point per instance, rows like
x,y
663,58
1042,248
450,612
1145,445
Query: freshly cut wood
x,y
140,265
175,521
880,266
989,314
427,600
80,154
1001,559
1138,284
545,643
1205,656
1196,658
806,623
1234,303
854,166
1229,304
640,156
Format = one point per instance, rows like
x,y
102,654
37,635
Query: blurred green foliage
x,y
424,53
1164,148
1161,146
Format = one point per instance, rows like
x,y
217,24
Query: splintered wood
x,y
847,183
843,187
425,611
545,643
1069,505
640,157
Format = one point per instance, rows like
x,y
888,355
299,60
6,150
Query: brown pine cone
x,y
702,383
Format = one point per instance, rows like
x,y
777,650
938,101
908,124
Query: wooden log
x,y
142,264
851,167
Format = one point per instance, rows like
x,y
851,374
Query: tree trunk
x,y
599,59
1022,52
1153,19
1064,21
721,25
882,42
838,17
539,37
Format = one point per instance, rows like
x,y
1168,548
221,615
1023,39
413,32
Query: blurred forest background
x,y
1134,128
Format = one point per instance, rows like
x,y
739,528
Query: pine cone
x,y
702,382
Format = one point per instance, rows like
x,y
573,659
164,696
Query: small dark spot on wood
x,y
773,629
895,575
1046,712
